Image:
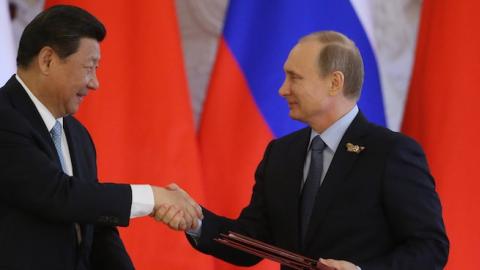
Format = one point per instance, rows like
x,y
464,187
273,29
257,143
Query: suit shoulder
x,y
385,136
11,120
4,101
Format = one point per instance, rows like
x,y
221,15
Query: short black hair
x,y
60,27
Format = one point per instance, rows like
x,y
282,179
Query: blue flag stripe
x,y
261,33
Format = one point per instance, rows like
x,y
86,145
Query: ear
x,y
336,83
45,59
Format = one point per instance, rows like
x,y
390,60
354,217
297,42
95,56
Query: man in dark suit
x,y
54,213
343,189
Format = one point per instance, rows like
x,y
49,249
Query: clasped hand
x,y
175,208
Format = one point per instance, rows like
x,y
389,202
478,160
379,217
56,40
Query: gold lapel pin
x,y
354,148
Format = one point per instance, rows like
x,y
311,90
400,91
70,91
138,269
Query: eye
x,y
295,78
90,68
292,76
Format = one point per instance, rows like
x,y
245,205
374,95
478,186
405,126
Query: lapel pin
x,y
354,148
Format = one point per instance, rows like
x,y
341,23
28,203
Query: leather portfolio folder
x,y
264,250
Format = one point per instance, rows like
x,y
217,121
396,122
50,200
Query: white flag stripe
x,y
391,27
7,51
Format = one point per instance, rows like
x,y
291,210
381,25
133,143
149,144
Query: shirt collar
x,y
46,115
334,134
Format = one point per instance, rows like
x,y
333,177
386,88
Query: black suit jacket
x,y
39,204
377,208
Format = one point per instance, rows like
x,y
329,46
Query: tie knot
x,y
317,144
56,131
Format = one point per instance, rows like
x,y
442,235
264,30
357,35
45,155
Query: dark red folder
x,y
270,252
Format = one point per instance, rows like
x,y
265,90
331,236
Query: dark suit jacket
x,y
377,208
39,203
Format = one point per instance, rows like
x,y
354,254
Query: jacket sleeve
x,y
33,182
251,222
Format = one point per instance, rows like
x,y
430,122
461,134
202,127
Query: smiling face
x,y
309,95
70,79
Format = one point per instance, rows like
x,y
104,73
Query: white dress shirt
x,y
142,195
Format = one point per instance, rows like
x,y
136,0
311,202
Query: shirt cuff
x,y
197,232
142,201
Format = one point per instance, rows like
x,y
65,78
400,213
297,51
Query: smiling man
x,y
53,212
354,194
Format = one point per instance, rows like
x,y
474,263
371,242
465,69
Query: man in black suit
x,y
343,189
54,213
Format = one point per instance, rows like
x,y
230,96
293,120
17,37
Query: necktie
x,y
56,133
312,183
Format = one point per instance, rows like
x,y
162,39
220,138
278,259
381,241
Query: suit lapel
x,y
297,151
337,173
74,147
24,105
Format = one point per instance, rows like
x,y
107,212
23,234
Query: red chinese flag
x,y
442,114
141,120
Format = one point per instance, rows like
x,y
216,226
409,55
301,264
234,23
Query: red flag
x,y
233,136
442,114
141,120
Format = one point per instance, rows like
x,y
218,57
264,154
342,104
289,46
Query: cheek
x,y
76,75
316,92
308,94
298,89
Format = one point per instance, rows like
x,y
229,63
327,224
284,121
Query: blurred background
x,y
189,95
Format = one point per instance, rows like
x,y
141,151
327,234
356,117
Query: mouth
x,y
291,104
81,96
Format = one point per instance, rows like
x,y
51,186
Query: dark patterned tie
x,y
312,183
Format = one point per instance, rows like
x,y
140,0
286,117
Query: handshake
x,y
175,208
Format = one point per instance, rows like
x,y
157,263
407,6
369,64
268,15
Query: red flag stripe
x,y
233,136
442,114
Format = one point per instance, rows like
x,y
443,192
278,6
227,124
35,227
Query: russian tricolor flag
x,y
243,110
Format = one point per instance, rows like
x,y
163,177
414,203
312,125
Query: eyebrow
x,y
292,73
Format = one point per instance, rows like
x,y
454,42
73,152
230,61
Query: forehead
x,y
303,55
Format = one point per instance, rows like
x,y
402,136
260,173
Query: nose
x,y
284,89
93,83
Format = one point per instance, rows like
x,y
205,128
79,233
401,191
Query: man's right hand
x,y
175,208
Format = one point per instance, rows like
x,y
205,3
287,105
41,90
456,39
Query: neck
x,y
332,115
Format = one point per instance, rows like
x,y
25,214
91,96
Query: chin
x,y
72,110
295,116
